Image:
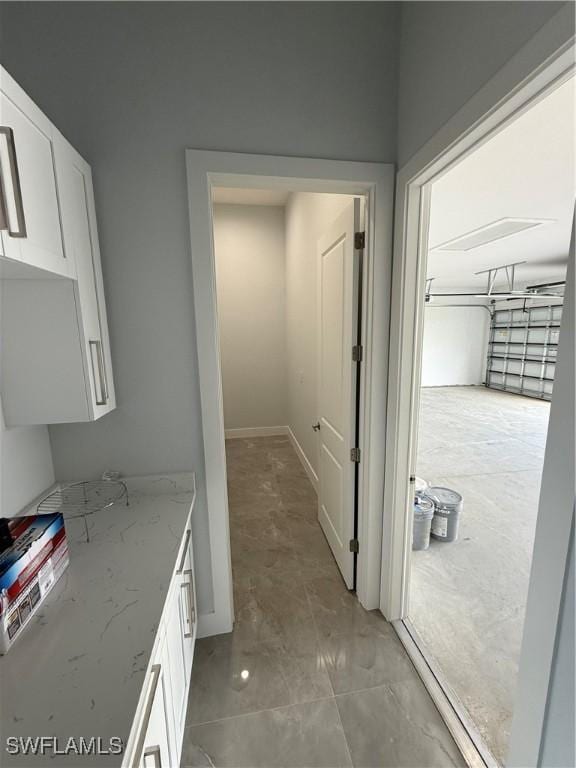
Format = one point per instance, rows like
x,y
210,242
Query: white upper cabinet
x,y
55,361
81,241
29,187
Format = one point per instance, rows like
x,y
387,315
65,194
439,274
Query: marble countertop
x,y
79,666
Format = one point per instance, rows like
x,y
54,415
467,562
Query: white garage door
x,y
522,350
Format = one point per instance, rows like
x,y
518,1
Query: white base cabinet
x,y
158,730
55,360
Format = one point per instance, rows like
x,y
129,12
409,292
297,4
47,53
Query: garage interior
x,y
499,238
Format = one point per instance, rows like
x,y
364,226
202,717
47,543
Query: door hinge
x,y
355,455
357,353
359,241
354,545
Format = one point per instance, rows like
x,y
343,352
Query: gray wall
x,y
26,468
448,51
131,85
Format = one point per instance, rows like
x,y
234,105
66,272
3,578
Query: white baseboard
x,y
212,624
308,468
255,432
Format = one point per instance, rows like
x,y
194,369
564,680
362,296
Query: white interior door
x,y
338,284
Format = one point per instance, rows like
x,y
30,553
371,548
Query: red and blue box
x,y
33,556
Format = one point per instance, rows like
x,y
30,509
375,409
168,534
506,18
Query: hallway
x,y
307,677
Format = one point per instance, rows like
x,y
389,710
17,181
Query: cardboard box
x,y
34,555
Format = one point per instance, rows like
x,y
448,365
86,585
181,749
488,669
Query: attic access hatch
x,y
496,230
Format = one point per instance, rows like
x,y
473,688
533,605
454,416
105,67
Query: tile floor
x,y
307,677
467,599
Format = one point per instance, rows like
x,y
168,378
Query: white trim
x,y
463,730
375,181
551,548
212,624
232,434
308,468
541,65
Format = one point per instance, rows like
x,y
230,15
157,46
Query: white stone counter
x,y
79,666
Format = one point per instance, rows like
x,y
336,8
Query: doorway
x,y
288,271
374,183
492,316
409,322
305,661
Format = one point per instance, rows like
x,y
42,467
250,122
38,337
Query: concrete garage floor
x,y
307,677
467,598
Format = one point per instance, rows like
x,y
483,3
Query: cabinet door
x,y
81,238
188,612
188,618
154,750
180,633
175,646
42,246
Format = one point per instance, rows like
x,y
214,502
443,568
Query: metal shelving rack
x,y
522,349
84,499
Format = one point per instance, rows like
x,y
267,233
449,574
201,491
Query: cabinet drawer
x,y
153,747
180,633
188,610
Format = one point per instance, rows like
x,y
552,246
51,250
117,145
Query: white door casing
x,y
544,63
375,182
338,272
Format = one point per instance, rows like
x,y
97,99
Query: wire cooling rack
x,y
84,499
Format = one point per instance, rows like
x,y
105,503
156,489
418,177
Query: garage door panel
x,y
522,350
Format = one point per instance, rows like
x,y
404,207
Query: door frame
x,y
373,181
545,62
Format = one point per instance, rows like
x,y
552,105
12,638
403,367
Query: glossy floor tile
x,y
302,735
396,726
366,658
467,598
275,691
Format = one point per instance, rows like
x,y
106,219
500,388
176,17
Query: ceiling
x,y
527,171
237,196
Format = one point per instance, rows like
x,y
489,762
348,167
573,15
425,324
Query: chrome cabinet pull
x,y
184,553
154,753
190,613
155,671
3,216
190,617
102,371
12,217
97,345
